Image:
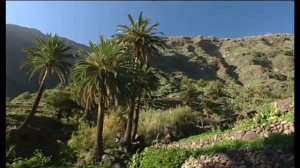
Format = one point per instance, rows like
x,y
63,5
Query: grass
x,y
203,136
288,117
244,125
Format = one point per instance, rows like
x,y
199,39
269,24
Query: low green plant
x,y
290,116
202,136
10,152
266,112
159,158
246,123
38,160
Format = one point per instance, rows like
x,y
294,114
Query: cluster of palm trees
x,y
115,73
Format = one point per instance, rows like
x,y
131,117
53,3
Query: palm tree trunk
x,y
135,119
127,136
99,147
37,100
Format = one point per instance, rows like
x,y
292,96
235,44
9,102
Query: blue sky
x,y
83,21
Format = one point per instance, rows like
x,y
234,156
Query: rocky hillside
x,y
17,39
266,61
261,60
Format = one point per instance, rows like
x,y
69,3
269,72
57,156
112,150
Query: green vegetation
x,y
36,161
177,121
137,88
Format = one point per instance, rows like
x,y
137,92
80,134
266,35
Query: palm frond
x,y
50,53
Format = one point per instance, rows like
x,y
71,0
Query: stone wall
x,y
269,157
263,131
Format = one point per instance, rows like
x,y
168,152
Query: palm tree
x,y
142,40
188,91
46,58
97,80
147,82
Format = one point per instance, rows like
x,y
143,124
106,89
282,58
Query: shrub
x,y
246,123
179,120
38,160
83,140
113,126
159,158
62,102
66,153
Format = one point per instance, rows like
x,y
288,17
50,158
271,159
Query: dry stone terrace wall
x,y
269,157
263,131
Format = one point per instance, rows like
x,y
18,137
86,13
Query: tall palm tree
x,y
46,58
143,41
147,82
98,79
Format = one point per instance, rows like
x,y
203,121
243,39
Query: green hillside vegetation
x,y
137,89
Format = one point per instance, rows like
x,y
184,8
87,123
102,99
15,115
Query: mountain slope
x,y
17,39
261,61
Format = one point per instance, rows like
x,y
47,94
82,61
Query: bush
x,y
159,158
62,102
83,140
66,154
38,160
179,120
113,127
